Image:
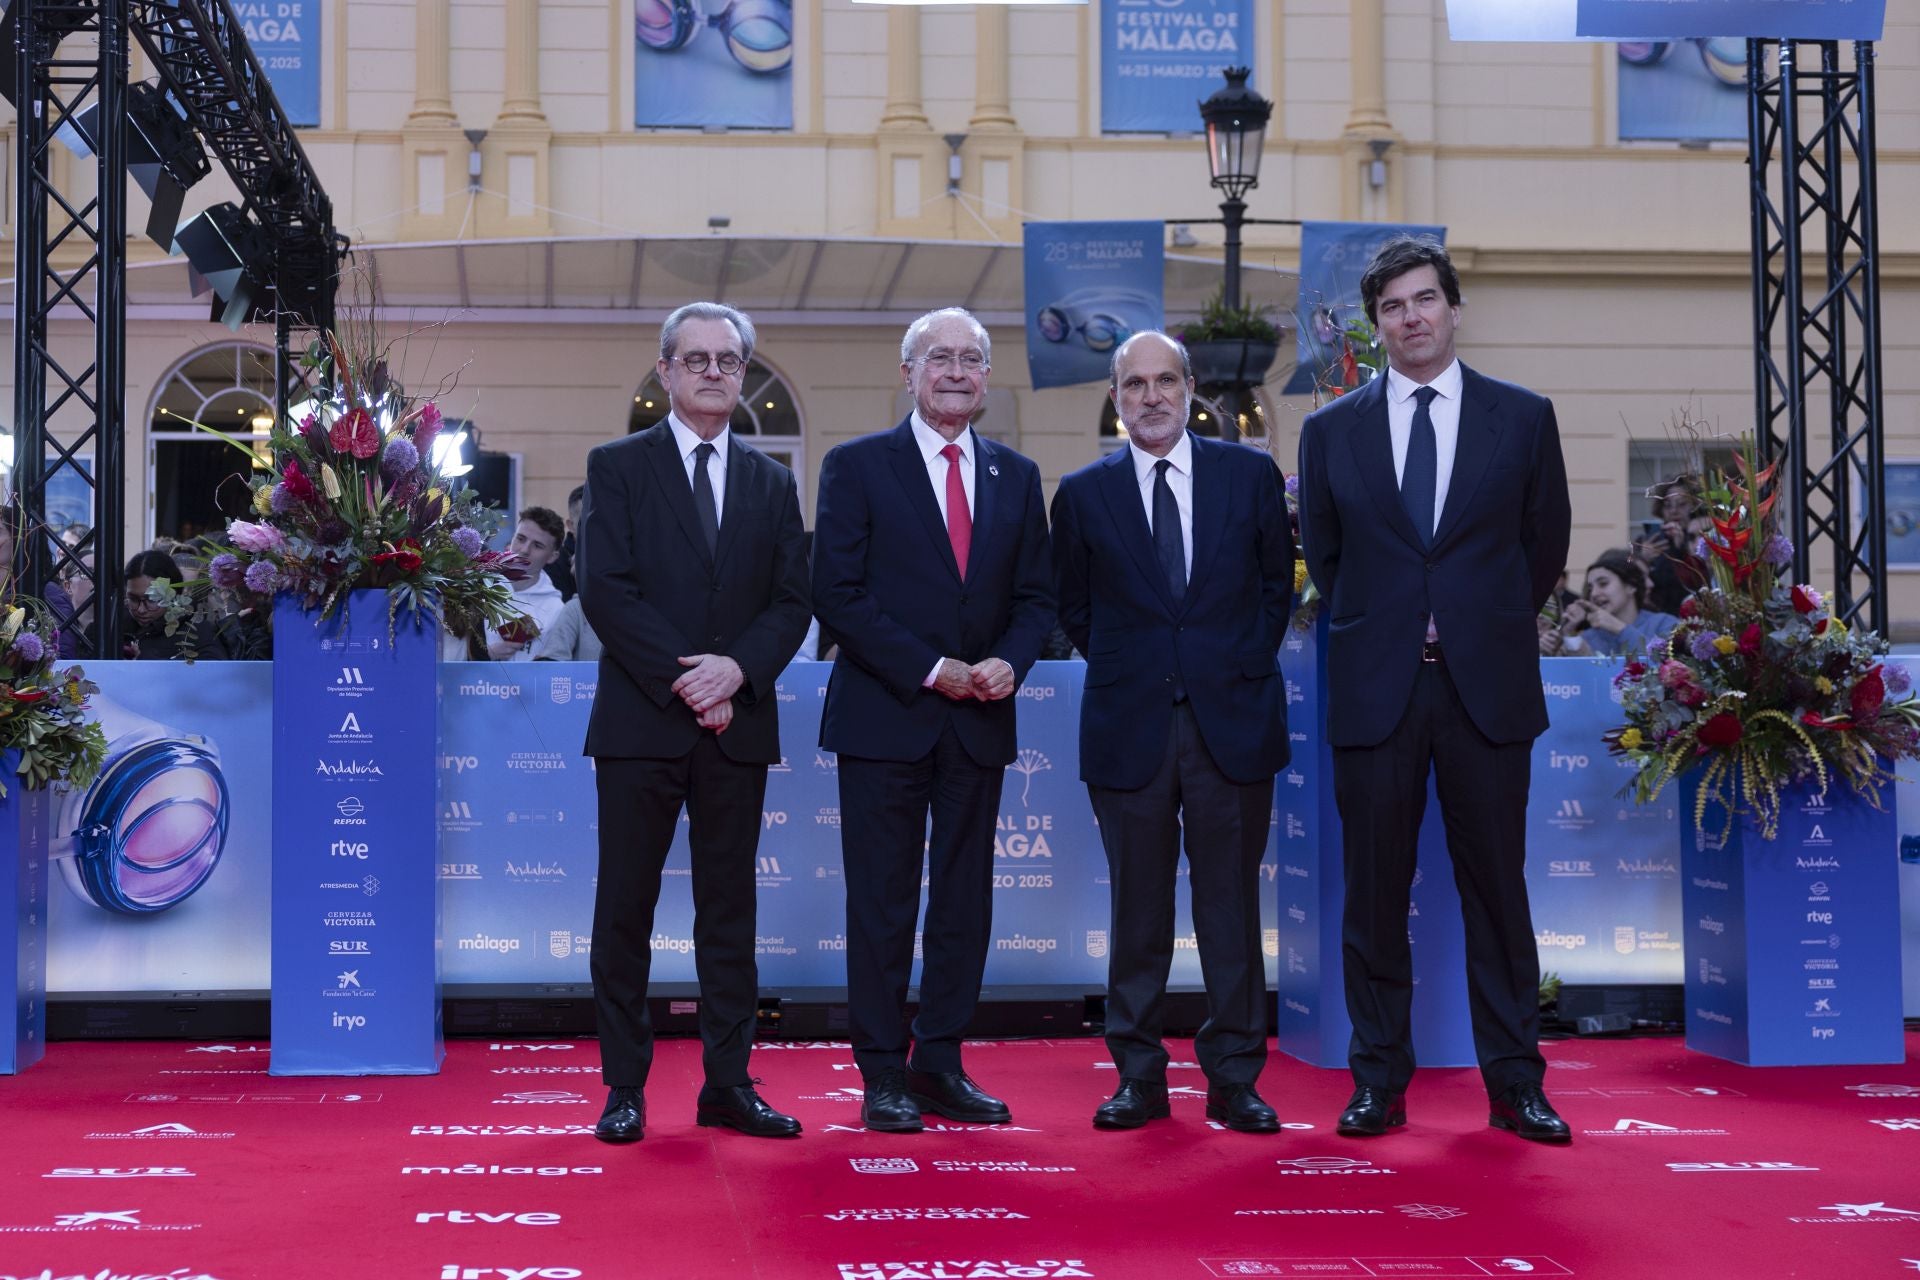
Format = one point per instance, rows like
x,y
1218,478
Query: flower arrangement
x,y
1218,322
1358,349
1760,685
354,497
43,712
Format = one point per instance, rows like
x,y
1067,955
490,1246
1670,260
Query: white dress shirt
x,y
1179,479
686,441
1445,412
931,442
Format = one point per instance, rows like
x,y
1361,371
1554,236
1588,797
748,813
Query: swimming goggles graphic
x,y
151,828
1725,57
759,33
1098,316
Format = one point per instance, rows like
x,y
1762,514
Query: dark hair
x,y
1403,254
550,524
153,564
579,494
1619,562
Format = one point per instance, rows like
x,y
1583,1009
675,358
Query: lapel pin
x,y
992,470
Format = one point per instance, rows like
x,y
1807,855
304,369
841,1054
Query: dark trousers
x,y
884,841
640,804
1225,825
1382,795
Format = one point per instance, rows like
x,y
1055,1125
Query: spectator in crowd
x,y
143,625
1614,617
568,638
536,541
1664,546
13,568
561,570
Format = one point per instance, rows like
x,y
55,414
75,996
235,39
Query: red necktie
x,y
959,519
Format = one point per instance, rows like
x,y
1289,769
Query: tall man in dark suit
x,y
930,568
693,573
1435,519
1174,566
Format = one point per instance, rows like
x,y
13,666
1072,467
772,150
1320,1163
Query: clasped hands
x,y
709,687
987,681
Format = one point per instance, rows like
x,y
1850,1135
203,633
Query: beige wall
x,y
1612,277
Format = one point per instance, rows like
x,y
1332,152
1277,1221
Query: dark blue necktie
x,y
1168,546
1422,473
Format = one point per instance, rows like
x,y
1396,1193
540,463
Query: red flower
x,y
1804,601
1688,609
1690,695
354,432
1815,720
404,557
1750,639
1722,730
27,696
297,482
1867,696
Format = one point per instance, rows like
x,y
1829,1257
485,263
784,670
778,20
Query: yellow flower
x,y
1299,576
1835,627
1725,644
263,500
1823,684
1630,739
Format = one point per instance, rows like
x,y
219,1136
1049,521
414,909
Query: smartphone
x,y
1651,529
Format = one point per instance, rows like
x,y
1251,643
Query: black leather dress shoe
x,y
625,1119
887,1107
1371,1112
953,1095
739,1107
1133,1104
1241,1109
1524,1109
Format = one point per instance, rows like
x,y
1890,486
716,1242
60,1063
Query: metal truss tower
x,y
1816,332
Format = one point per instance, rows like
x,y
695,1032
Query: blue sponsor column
x,y
1793,944
1311,886
23,917
355,949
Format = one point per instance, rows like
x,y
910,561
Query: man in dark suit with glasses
x,y
693,573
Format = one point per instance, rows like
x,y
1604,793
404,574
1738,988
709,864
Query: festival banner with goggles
x,y
1332,256
1090,286
1759,19
1158,58
713,63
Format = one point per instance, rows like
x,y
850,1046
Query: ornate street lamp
x,y
1236,119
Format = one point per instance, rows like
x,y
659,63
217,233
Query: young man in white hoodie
x,y
536,541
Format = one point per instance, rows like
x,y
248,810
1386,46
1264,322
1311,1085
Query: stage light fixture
x,y
163,155
232,255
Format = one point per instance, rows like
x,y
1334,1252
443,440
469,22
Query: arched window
x,y
228,387
768,415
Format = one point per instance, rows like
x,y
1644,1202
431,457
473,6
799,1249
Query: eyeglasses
x,y
971,361
697,362
759,33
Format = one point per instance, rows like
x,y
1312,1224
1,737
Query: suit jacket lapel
x,y
986,494
1120,487
1473,448
1371,442
1212,498
733,506
671,474
911,469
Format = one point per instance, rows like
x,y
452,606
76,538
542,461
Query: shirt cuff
x,y
933,676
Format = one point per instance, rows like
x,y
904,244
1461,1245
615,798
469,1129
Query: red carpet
x,y
176,1160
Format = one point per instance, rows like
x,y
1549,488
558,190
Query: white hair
x,y
918,330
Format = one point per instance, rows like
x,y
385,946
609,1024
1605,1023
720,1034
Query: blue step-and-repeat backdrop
x,y
518,849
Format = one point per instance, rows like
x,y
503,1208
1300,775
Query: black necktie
x,y
1422,472
1168,546
703,502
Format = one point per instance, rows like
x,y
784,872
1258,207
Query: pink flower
x,y
256,538
1674,674
1805,599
